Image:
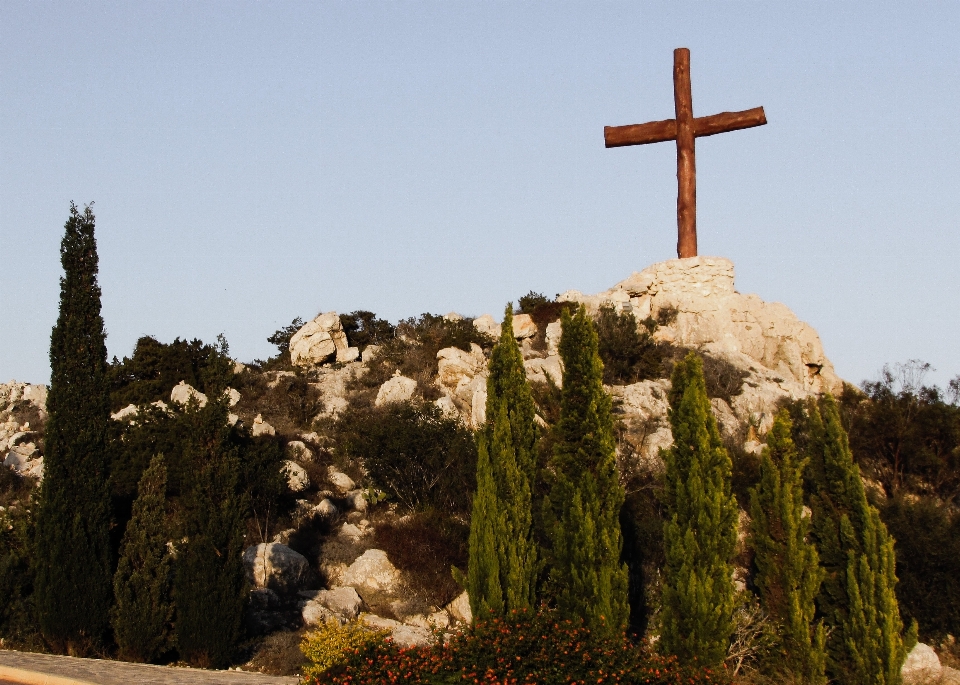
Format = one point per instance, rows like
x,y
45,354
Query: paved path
x,y
63,669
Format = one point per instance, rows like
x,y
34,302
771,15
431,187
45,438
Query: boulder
x,y
344,602
370,353
538,369
127,413
487,325
459,608
276,567
325,509
403,635
357,500
455,366
552,338
297,478
319,340
233,396
696,300
340,480
523,326
447,407
261,427
372,570
452,316
183,392
314,613
397,389
922,666
297,449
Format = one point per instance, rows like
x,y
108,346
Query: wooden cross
x,y
684,129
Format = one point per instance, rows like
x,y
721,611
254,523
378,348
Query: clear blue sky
x,y
254,162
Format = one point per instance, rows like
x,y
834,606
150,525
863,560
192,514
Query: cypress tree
x,y
73,581
143,612
788,571
503,554
208,577
857,599
583,507
700,531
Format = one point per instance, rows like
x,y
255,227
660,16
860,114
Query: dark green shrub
x,y
425,545
522,647
364,328
19,624
628,350
928,564
414,453
72,552
532,301
289,403
155,368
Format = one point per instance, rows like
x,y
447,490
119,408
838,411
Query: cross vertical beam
x,y
684,129
686,156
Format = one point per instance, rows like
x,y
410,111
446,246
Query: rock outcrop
x,y
277,568
397,389
697,305
321,339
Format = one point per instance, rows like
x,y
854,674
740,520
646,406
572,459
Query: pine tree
x,y
700,531
583,508
208,576
143,612
857,601
788,571
73,581
503,554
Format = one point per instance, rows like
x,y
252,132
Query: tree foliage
x,y
857,600
73,580
700,531
582,512
788,571
208,582
142,615
502,520
627,348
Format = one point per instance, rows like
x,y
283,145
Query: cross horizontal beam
x,y
661,131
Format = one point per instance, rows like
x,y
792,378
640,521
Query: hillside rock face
x,y
713,316
320,339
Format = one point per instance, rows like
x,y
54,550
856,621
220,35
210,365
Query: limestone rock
x,y
487,325
372,570
344,602
523,326
370,353
645,406
314,613
552,337
922,666
357,500
397,389
455,365
233,396
297,478
276,567
325,509
261,427
318,340
459,608
703,310
340,480
538,370
183,392
403,635
331,384
297,449
127,413
478,407
447,407
726,419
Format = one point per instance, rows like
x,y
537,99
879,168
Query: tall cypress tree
x,y
208,577
73,582
700,531
857,599
503,554
583,508
788,571
143,613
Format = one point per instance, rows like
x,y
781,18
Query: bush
x,y
425,546
928,564
19,626
332,645
532,301
155,367
628,350
522,648
414,453
364,328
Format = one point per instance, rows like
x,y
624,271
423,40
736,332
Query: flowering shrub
x,y
521,650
